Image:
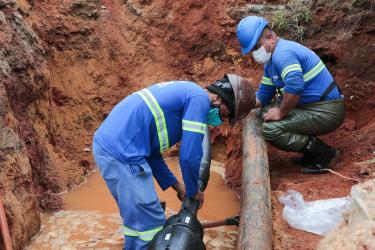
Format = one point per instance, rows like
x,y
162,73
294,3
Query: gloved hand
x,y
180,189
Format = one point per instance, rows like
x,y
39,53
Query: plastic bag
x,y
318,217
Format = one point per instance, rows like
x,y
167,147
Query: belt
x,y
328,90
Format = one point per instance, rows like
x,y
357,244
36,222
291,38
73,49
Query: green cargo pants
x,y
292,132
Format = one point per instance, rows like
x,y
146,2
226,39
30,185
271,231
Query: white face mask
x,y
261,55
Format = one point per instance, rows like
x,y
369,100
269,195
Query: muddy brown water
x,y
90,218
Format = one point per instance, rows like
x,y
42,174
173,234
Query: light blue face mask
x,y
214,118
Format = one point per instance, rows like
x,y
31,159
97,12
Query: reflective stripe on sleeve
x,y
193,126
267,81
290,68
313,72
306,77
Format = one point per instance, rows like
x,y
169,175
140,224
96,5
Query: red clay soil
x,y
343,36
357,146
67,63
354,72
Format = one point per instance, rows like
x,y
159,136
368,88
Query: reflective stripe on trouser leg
x,y
144,235
292,132
133,188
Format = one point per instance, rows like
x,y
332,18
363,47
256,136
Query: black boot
x,y
305,160
308,156
322,156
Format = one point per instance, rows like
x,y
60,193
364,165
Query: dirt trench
x,y
65,64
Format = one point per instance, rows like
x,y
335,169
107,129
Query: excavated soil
x,y
65,64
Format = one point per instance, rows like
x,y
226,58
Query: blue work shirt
x,y
149,121
297,70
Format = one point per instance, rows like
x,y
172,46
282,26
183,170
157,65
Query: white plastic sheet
x,y
318,217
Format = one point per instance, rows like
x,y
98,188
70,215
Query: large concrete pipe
x,y
256,216
7,241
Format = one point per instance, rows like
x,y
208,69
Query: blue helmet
x,y
248,32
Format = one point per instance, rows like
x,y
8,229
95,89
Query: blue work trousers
x,y
131,185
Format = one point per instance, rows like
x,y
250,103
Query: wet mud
x,y
90,219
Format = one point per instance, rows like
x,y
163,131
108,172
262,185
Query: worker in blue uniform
x,y
128,145
299,97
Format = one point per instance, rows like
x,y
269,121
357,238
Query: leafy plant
x,y
293,19
363,3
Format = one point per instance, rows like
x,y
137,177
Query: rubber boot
x,y
307,157
305,160
322,156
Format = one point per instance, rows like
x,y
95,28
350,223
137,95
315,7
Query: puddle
x,y
90,218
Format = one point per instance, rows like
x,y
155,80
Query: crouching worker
x,y
127,147
308,101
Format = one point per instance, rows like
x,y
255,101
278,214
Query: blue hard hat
x,y
248,32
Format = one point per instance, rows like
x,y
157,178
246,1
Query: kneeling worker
x,y
308,101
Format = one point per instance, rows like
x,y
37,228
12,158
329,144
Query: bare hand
x,y
180,189
273,114
199,196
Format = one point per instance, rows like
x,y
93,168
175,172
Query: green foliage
x,y
293,19
362,3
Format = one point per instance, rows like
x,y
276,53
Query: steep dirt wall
x,y
65,64
22,74
100,51
344,35
32,167
16,186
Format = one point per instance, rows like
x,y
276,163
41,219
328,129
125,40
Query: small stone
x,y
7,2
52,235
3,19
